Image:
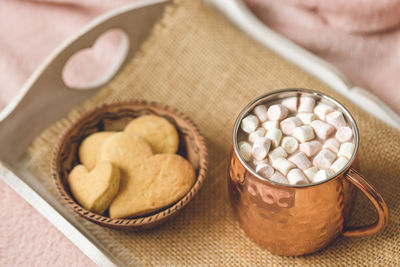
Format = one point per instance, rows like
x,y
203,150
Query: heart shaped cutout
x,y
95,190
96,65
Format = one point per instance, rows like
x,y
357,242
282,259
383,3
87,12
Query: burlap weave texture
x,y
199,63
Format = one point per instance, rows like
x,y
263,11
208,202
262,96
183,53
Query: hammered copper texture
x,y
285,220
299,219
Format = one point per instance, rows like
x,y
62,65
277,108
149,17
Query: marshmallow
x,y
324,159
249,123
256,161
303,133
289,124
261,112
259,132
310,173
297,177
278,177
245,150
314,132
306,118
278,152
283,165
268,125
290,103
336,119
310,148
277,112
346,150
265,170
307,104
322,129
290,144
338,164
332,144
260,148
322,109
300,160
275,135
344,134
322,175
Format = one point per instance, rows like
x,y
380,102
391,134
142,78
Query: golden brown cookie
x,y
125,151
158,182
96,189
158,132
90,147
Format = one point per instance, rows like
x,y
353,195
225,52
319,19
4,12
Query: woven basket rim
x,y
131,223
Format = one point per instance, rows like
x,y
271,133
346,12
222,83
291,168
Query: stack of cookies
x,y
132,172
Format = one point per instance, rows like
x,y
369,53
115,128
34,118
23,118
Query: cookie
x,y
96,189
125,151
90,147
157,182
158,132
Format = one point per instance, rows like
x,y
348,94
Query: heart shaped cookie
x,y
158,181
158,132
125,151
90,147
96,189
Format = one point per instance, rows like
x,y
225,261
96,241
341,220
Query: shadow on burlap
x,y
199,63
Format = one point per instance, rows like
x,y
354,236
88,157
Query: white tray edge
x,y
89,248
244,20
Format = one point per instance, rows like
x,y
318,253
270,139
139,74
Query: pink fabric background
x,y
30,31
360,37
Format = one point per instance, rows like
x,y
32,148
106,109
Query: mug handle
x,y
361,183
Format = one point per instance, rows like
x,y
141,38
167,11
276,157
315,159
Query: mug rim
x,y
255,101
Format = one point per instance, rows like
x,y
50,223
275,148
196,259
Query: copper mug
x,y
299,219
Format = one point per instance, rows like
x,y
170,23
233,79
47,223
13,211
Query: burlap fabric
x,y
199,63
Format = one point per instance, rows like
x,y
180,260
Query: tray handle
x,y
45,97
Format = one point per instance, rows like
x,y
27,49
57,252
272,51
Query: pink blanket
x,y
30,31
360,37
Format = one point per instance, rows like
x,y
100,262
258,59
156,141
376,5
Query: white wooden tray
x,y
28,114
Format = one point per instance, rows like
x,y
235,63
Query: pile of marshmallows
x,y
297,141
